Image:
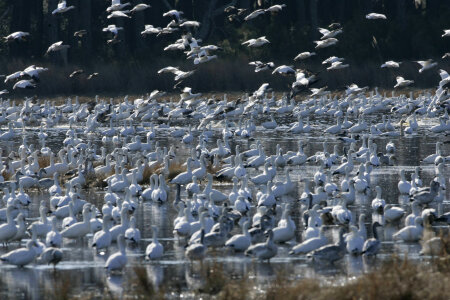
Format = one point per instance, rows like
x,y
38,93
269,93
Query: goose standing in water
x,y
263,251
330,253
411,233
240,242
372,245
118,260
102,238
8,230
20,257
310,244
80,229
197,251
154,250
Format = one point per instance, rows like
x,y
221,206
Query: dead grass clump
x,y
215,279
395,279
141,287
175,169
44,161
97,181
6,175
146,174
61,288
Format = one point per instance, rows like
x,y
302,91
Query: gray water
x,y
84,270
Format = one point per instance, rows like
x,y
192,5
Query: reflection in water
x,y
84,268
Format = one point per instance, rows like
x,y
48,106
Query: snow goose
x,y
404,186
310,244
375,16
154,250
372,245
20,257
263,251
392,213
79,229
118,260
8,230
426,195
185,177
330,253
285,231
53,238
378,203
51,255
197,251
43,226
412,233
62,7
102,238
355,241
256,42
240,242
426,64
132,233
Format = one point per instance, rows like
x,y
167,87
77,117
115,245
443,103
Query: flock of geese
x,y
256,216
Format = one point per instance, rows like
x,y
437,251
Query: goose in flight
x,y
33,72
3,92
56,47
256,42
284,70
325,43
119,14
95,74
24,84
16,36
62,8
391,64
260,66
375,16
446,33
187,94
13,76
168,69
175,14
326,34
80,33
331,60
139,7
319,92
304,55
150,29
117,5
187,24
337,65
276,8
254,14
402,82
113,29
76,73
426,64
446,55
179,75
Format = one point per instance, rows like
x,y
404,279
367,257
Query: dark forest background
x,y
412,32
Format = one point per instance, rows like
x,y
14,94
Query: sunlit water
x,y
84,269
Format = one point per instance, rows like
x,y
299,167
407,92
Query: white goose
x,y
154,250
118,260
240,242
20,257
79,229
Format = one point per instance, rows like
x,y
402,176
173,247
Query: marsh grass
x,y
141,286
43,161
148,171
175,169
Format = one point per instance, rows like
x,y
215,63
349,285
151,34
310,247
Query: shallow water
x,y
84,269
